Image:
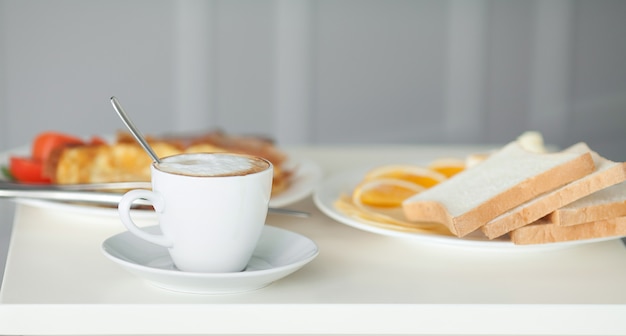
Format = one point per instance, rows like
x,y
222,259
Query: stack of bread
x,y
530,194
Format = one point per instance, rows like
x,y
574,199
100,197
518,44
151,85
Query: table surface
x,y
57,281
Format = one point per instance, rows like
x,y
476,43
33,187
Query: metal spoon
x,y
129,123
142,141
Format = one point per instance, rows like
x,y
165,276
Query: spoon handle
x,y
134,130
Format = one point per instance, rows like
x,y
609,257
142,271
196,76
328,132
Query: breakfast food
x,y
542,232
377,199
69,160
30,168
521,192
607,173
448,166
117,162
604,204
600,214
507,178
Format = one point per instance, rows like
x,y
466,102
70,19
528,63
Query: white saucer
x,y
278,254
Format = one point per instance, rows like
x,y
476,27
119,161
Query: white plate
x,y
278,254
307,175
343,183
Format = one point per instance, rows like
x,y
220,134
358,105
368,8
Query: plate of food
x,y
508,200
60,159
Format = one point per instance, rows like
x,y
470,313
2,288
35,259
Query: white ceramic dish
x,y
278,254
307,175
343,183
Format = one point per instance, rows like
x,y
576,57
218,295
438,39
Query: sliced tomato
x,y
46,142
27,170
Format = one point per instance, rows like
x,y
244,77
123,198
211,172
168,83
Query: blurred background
x,y
318,71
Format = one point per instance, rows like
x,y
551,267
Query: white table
x,y
57,281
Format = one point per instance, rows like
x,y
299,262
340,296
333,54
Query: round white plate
x,y
343,183
278,254
307,175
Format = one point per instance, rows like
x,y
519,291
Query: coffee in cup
x,y
218,164
211,209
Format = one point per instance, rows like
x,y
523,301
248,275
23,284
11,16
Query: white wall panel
x,y
244,66
465,70
194,108
550,69
65,58
598,73
4,115
378,71
508,60
293,66
318,71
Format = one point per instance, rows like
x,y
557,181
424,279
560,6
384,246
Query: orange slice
x,y
384,192
415,174
447,166
392,219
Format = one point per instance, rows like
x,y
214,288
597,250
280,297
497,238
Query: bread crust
x,y
607,173
526,185
604,204
542,232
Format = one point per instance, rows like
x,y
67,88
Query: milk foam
x,y
212,165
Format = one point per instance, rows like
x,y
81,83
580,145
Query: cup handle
x,y
124,210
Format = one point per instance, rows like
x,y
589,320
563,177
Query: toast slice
x,y
604,204
607,173
542,231
507,178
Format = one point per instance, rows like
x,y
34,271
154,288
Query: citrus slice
x,y
419,175
447,166
388,219
384,192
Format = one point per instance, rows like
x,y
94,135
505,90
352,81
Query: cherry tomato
x,y
46,142
27,170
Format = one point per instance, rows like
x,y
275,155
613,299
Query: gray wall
x,y
319,72
324,71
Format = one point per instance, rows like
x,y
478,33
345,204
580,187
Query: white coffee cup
x,y
211,209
